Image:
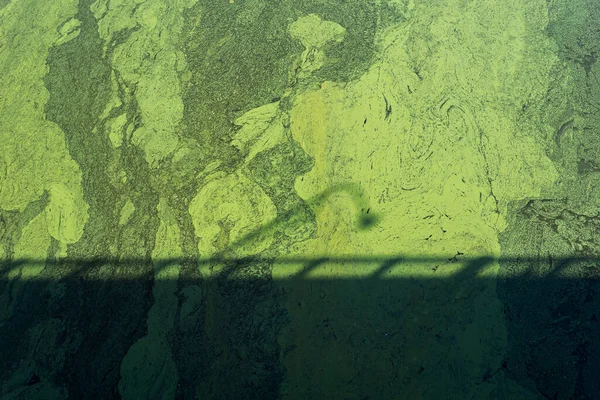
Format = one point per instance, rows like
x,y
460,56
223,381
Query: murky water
x,y
326,199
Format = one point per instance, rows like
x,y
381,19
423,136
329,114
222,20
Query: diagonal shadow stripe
x,y
358,266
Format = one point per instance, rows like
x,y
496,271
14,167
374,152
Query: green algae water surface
x,y
299,199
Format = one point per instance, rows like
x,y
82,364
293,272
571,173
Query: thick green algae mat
x,y
354,199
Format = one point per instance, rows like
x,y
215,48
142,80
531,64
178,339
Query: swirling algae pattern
x,y
164,130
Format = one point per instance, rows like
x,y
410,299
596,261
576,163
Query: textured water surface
x,y
294,199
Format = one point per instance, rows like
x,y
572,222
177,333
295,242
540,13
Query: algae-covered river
x,y
299,199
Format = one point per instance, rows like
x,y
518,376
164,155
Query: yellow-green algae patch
x,y
312,31
68,31
314,34
148,63
65,214
441,149
115,133
34,156
33,244
126,212
261,130
226,210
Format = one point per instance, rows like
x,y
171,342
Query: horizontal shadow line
x,y
162,269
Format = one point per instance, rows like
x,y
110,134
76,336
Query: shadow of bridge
x,y
389,327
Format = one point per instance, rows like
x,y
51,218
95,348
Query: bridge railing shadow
x,y
242,330
356,267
